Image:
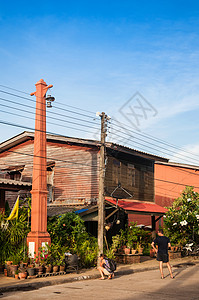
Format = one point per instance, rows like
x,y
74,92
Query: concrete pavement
x,y
9,284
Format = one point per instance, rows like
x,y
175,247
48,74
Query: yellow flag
x,y
15,211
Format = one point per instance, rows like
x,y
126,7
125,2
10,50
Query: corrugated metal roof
x,y
24,136
138,206
14,182
53,210
179,165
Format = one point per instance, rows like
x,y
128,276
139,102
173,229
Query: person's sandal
x,y
110,277
102,278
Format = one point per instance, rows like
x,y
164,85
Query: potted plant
x,y
31,267
17,274
139,248
61,263
127,250
15,263
22,274
133,251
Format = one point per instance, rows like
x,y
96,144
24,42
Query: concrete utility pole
x,y
39,235
101,212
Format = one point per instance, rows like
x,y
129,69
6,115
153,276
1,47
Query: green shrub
x,y
181,223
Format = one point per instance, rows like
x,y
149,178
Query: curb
x,y
36,285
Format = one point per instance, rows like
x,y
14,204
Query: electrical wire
x,y
147,136
23,116
31,128
58,119
158,150
67,105
62,109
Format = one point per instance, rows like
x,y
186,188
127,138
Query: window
x,y
14,172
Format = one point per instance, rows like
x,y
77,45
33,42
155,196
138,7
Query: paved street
x,y
138,286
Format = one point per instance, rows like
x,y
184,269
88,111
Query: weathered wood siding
x,y
75,171
135,174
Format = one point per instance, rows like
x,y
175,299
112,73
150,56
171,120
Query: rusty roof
x,y
24,136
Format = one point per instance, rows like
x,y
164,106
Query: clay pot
x,y
152,253
140,250
31,271
62,268
13,269
48,269
55,269
40,270
133,251
16,276
22,275
127,250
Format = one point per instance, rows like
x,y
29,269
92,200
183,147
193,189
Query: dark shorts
x,y
162,257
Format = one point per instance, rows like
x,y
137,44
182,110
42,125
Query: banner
x,y
15,211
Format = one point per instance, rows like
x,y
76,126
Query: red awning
x,y
138,207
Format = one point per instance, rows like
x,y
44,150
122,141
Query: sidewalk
x,y
9,284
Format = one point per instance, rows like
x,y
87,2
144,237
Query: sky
x,y
137,61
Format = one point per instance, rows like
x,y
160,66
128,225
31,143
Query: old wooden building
x,y
73,171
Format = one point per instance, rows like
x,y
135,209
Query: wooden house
x,y
73,172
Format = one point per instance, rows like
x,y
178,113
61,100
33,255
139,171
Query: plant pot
x,y
55,269
133,251
22,275
5,272
172,248
152,253
16,276
40,270
127,250
8,263
13,269
31,271
62,268
48,269
140,250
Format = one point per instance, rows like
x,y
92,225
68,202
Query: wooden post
x,y
101,214
39,235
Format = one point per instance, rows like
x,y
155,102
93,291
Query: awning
x,y
138,207
14,185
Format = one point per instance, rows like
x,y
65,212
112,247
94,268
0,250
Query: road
x,y
137,286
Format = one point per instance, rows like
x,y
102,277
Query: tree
x,y
182,219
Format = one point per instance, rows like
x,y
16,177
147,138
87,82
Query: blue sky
x,y
97,55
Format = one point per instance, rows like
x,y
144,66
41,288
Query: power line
x,y
67,105
22,116
48,112
30,128
158,150
150,137
62,109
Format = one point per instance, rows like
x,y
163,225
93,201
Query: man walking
x,y
163,243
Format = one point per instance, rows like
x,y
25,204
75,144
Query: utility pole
x,y
101,212
38,236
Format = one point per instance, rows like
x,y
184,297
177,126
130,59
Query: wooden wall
x,y
135,174
74,173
